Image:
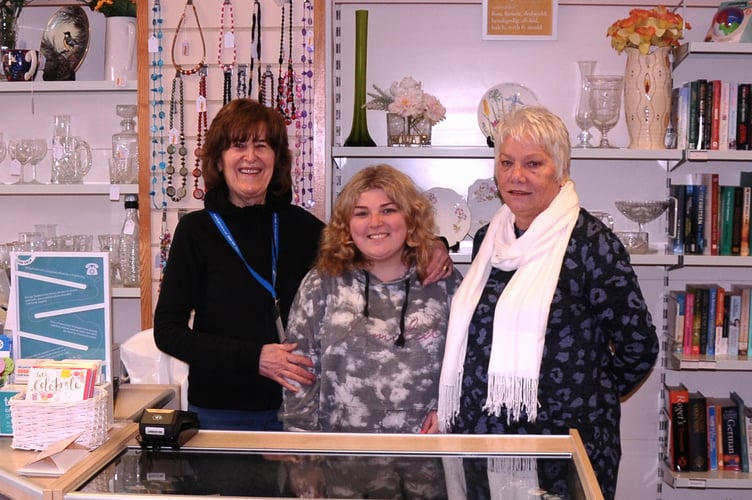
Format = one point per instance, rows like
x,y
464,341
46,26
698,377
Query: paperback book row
x,y
709,218
711,320
706,433
712,115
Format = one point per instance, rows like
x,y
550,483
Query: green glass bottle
x,y
359,135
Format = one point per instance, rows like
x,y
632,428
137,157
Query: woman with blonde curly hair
x,y
375,334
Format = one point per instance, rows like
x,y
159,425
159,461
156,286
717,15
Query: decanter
x,y
125,142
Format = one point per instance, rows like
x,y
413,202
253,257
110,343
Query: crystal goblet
x,y
641,212
582,114
38,152
605,103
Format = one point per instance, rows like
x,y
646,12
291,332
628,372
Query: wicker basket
x,y
37,425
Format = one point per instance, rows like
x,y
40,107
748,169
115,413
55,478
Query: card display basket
x,y
39,424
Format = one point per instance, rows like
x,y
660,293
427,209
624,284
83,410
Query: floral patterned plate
x,y
452,214
483,200
498,101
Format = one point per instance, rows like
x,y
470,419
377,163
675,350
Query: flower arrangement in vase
x,y
112,8
411,112
647,36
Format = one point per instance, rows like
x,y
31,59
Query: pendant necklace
x,y
227,40
177,105
198,192
179,68
157,128
176,140
255,47
266,86
241,91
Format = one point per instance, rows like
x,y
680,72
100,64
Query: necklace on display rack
x,y
198,192
176,138
286,80
266,86
227,40
255,46
304,120
157,128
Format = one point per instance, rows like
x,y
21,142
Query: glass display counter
x,y
319,465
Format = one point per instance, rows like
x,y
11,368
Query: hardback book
x,y
742,429
745,318
711,200
676,399
712,304
689,322
698,432
690,219
704,98
693,116
730,435
736,225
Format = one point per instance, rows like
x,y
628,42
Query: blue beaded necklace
x,y
158,164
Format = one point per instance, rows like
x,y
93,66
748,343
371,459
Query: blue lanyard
x,y
275,248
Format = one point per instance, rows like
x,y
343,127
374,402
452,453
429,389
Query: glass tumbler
x,y
110,243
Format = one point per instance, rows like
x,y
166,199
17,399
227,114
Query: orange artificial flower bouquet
x,y
644,29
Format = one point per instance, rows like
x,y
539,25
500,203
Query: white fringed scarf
x,y
521,314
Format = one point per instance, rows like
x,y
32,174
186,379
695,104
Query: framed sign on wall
x,y
519,19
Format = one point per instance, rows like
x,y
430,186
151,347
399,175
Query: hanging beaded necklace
x,y
268,76
255,46
304,120
286,80
157,128
198,192
176,140
242,86
177,107
227,40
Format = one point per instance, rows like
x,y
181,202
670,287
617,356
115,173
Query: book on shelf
x,y
712,429
676,399
689,322
714,409
721,337
676,219
736,225
743,116
730,435
676,320
711,307
745,318
742,431
693,116
723,125
715,114
704,104
698,432
727,219
679,110
734,322
744,237
732,97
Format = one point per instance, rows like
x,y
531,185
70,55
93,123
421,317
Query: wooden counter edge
x,y
584,468
97,459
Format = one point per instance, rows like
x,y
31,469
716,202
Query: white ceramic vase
x,y
120,49
647,97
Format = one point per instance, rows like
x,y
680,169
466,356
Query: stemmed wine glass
x,y
582,114
605,103
3,148
20,153
38,152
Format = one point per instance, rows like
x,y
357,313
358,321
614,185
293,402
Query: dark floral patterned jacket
x,y
600,344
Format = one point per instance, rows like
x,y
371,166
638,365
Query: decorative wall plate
x,y
452,214
498,101
483,200
64,43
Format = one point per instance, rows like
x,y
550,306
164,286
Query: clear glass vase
x,y
408,130
582,115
